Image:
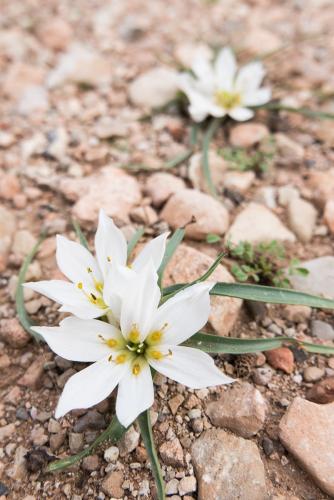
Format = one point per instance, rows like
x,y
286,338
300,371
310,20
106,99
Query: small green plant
x,y
262,263
259,160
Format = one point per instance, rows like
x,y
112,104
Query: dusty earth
x,y
77,133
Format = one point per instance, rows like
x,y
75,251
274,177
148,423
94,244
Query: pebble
x,y
7,231
9,186
18,471
112,484
310,440
248,134
322,330
186,53
57,440
227,467
7,431
268,446
161,186
289,152
184,206
322,392
287,194
313,374
239,181
91,420
22,414
111,454
38,436
262,375
56,33
281,359
171,453
187,484
267,196
175,402
90,463
172,487
329,215
12,333
154,88
302,218
241,409
129,442
257,224
64,377
218,167
320,279
257,38
33,376
75,441
4,361
321,186
296,313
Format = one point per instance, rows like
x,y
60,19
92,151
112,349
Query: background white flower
x,y
96,283
149,336
218,89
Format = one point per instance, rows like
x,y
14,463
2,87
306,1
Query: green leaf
x,y
276,106
134,240
145,425
113,433
79,233
212,129
19,297
194,134
213,238
171,246
174,162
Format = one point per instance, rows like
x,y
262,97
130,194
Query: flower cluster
x,y
219,89
135,332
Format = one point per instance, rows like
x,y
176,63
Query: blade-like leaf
x,y
171,246
19,297
145,426
276,106
212,128
79,233
174,162
135,238
113,433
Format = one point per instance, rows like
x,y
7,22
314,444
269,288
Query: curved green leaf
x,y
310,113
79,233
171,246
212,129
134,240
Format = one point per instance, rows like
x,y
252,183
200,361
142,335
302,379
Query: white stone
x,y
320,280
155,88
302,219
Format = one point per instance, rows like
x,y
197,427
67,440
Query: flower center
x,y
227,100
95,297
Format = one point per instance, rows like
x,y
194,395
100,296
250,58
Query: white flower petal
x,y
116,287
250,76
78,339
74,260
225,69
190,367
184,314
90,386
154,250
110,244
200,103
135,395
256,97
241,114
141,303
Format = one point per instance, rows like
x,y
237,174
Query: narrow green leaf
x,y
317,348
79,233
134,240
113,433
212,128
276,106
194,134
171,246
145,425
19,297
213,238
174,162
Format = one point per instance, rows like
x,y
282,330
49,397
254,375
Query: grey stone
x,y
320,280
129,442
91,420
322,330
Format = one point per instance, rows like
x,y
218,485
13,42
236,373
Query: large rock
x,y
7,230
246,135
302,219
155,88
110,188
320,279
307,431
162,185
228,467
189,264
257,224
321,185
184,206
241,409
322,392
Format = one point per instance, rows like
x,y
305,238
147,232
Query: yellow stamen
x,y
109,258
136,369
89,270
98,286
121,358
80,285
111,343
156,336
227,100
156,355
129,266
134,334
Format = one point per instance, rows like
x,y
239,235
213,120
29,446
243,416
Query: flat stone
x,y
257,224
171,453
228,467
129,442
112,484
322,392
321,186
289,152
281,359
248,134
91,420
320,279
110,188
161,186
188,264
57,440
242,409
239,181
184,206
75,441
307,431
175,402
313,373
322,330
33,376
154,88
302,219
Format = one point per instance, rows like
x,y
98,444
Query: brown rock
x,y
175,403
171,453
112,484
57,440
33,376
281,359
12,333
184,206
321,185
329,215
322,392
91,463
248,134
18,471
296,314
228,467
189,264
241,409
6,431
55,34
110,188
9,186
289,152
161,186
307,431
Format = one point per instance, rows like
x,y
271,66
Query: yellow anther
x,y
227,100
121,358
111,343
98,286
129,266
89,270
109,258
134,334
156,355
80,285
155,336
136,369
93,298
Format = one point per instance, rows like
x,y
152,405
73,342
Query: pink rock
x,y
33,376
111,189
12,333
9,186
281,359
248,134
161,186
322,186
55,33
21,77
186,205
329,215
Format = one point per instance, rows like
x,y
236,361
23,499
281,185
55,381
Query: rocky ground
x,y
78,81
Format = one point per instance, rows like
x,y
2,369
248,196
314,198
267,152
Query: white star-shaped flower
x,y
96,284
218,89
148,337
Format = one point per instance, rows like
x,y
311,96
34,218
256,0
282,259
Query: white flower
x,y
149,337
96,284
218,89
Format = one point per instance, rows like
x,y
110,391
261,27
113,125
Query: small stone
x,y
186,53
129,442
228,467
322,392
7,431
302,219
297,314
91,420
257,38
172,487
64,377
75,441
257,224
320,279
313,373
287,194
267,196
111,454
239,181
6,139
248,134
112,484
55,33
331,363
57,440
155,88
321,186
22,414
161,186
90,463
38,437
13,334
241,409
329,215
310,440
210,216
33,376
268,446
9,186
322,330
144,215
7,231
281,359
194,413
289,152
175,403
171,453
262,375
18,471
63,364
4,361
218,167
187,484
